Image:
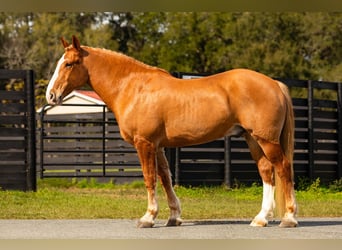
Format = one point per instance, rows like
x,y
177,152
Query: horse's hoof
x,y
259,223
174,222
288,223
145,224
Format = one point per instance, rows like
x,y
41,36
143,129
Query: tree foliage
x,y
286,45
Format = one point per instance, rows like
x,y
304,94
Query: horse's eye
x,y
68,65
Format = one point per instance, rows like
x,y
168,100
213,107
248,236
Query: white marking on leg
x,y
54,78
268,204
289,219
152,210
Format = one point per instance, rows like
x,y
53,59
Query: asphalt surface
x,y
309,228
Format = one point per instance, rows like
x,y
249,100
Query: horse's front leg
x,y
147,155
165,179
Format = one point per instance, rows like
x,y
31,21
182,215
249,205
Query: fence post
x,y
31,129
177,163
103,141
170,156
42,133
227,162
339,116
310,130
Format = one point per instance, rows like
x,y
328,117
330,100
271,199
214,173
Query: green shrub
x,y
303,183
315,185
336,186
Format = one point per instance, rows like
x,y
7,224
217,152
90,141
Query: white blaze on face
x,y
54,78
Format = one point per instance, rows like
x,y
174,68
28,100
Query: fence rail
x,y
88,145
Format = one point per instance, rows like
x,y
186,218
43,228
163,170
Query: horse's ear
x,y
65,43
76,43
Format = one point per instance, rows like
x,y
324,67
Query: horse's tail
x,y
287,144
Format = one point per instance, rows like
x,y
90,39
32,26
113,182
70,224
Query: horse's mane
x,y
126,58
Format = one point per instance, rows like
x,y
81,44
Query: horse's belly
x,y
184,134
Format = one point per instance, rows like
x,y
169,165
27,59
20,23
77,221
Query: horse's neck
x,y
106,71
109,72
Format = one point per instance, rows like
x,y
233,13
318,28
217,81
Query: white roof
x,y
77,97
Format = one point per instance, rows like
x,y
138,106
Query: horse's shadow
x,y
272,223
217,222
320,223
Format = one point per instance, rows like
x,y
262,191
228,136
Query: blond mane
x,y
126,58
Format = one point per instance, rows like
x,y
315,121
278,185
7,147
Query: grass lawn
x,y
62,199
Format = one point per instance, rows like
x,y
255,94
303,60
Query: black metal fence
x,y
89,145
85,145
17,133
318,143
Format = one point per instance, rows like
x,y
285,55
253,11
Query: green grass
x,y
63,199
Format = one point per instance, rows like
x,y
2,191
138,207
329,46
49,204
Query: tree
x,y
271,43
15,39
32,41
286,45
323,45
194,42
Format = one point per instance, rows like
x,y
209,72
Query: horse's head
x,y
69,74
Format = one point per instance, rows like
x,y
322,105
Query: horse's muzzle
x,y
53,98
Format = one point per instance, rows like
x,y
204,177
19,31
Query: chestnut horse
x,y
156,110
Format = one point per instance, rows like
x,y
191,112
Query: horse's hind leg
x,y
165,179
266,172
147,155
275,155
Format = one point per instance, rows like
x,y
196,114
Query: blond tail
x,y
287,144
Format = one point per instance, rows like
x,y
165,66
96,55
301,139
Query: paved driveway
x,y
309,228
